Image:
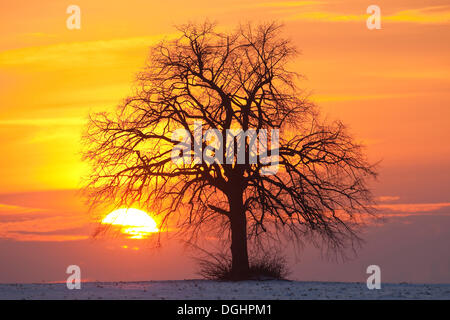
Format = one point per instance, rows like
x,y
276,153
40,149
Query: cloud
x,y
15,213
413,207
39,35
43,218
360,97
73,53
440,74
413,214
46,227
288,4
68,231
325,16
387,198
44,122
426,15
6,209
403,211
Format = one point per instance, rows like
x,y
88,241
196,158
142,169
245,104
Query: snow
x,y
212,290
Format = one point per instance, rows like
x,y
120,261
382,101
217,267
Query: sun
x,y
135,223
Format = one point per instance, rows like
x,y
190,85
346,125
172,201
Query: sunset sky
x,y
390,86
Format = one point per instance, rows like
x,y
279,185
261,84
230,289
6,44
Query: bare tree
x,y
229,80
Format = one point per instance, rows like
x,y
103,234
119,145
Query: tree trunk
x,y
238,222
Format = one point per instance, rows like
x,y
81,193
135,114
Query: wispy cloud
x,y
326,16
43,223
387,198
428,15
13,209
403,211
70,54
45,226
39,35
413,207
439,74
289,4
44,122
360,97
425,15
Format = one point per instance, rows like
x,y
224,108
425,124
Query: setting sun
x,y
251,150
135,223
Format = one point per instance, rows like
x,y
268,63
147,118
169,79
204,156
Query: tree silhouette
x,y
235,80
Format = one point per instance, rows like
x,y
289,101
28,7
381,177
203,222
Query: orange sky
x,y
391,86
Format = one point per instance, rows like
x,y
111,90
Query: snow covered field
x,y
204,289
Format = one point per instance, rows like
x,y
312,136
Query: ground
x,y
204,289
